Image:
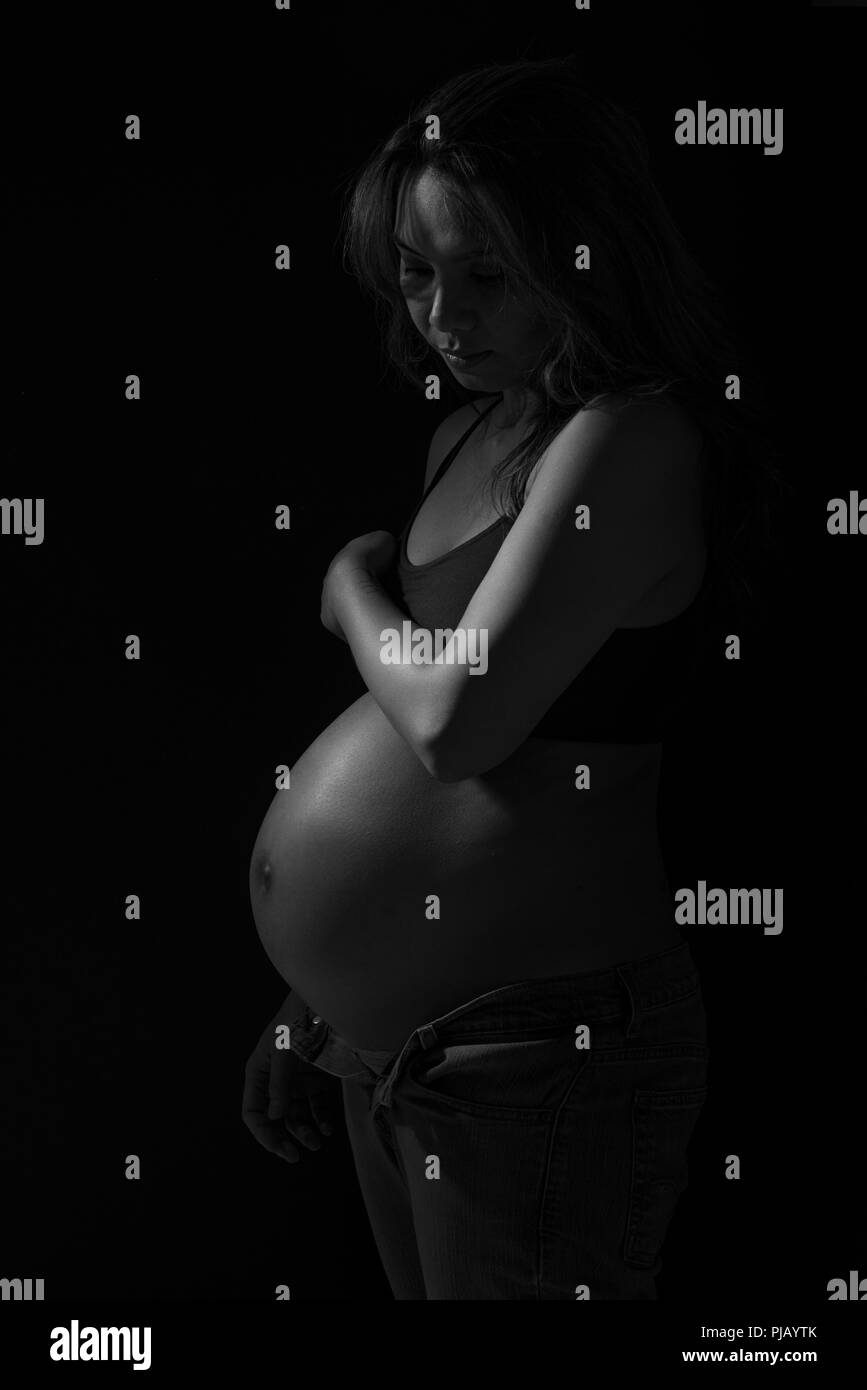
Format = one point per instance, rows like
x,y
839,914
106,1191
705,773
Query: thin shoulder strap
x,y
455,450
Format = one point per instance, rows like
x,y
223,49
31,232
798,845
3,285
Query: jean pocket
x,y
499,1078
662,1126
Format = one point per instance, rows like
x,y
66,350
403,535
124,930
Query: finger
x,y
277,1105
269,1133
254,1104
322,1110
297,1123
282,1085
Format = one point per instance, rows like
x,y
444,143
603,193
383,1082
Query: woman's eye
x,y
409,270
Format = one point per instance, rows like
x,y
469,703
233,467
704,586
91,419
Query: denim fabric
x,y
500,1160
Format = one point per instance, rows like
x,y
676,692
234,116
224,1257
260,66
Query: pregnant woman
x,y
464,886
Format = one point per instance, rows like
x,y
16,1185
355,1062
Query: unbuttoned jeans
x,y
531,1144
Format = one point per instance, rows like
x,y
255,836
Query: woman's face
x,y
456,298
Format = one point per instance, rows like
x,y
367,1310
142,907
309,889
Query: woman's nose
x,y
450,312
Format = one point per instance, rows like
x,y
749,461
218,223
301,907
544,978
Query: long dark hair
x,y
534,164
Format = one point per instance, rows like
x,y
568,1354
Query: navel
x,y
263,873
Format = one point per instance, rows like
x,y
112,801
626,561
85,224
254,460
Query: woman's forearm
x,y
414,698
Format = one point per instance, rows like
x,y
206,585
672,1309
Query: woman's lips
x,y
471,360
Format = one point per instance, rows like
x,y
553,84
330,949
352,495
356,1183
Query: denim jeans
x,y
531,1144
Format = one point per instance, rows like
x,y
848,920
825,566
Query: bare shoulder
x,y
636,428
670,437
659,418
668,420
447,434
658,448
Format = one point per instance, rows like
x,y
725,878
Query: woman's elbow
x,y
440,764
449,758
444,770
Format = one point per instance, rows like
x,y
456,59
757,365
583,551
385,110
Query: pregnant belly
x,y
386,898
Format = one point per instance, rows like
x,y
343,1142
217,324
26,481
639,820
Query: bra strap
x,y
455,450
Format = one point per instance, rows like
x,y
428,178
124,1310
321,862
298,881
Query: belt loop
x,y
632,1025
427,1035
424,1037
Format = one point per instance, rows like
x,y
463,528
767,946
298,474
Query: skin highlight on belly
x,y
531,876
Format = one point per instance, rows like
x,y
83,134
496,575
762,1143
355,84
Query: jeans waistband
x,y
627,991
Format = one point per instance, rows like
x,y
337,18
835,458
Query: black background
x,y
260,388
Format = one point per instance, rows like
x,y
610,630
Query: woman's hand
x,y
374,552
287,1102
370,554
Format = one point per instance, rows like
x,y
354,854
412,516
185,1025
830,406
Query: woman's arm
x,y
553,594
410,696
351,584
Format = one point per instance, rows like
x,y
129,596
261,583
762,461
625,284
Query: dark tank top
x,y
632,688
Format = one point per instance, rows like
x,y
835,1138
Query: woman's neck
x,y
516,410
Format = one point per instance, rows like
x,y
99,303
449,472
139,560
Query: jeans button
x,y
317,1020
